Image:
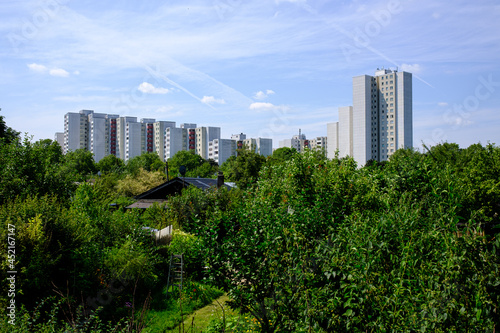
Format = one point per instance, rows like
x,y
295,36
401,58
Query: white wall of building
x,y
175,141
361,120
133,140
159,137
332,134
345,132
97,135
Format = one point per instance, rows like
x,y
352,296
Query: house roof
x,y
174,186
145,203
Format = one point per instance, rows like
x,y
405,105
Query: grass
x,y
199,320
166,316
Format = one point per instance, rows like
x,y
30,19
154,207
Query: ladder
x,y
175,272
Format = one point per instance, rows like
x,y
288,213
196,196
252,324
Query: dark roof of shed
x,y
145,203
175,186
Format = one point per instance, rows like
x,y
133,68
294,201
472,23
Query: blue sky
x,y
265,68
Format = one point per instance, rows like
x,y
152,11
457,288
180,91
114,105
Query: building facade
x,y
319,143
299,142
126,138
380,120
159,131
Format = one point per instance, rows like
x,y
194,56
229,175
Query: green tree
x,y
7,134
145,161
323,246
244,168
195,165
80,163
281,155
110,163
33,169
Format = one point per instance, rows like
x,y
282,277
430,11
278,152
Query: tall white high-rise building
x,y
97,135
380,120
111,134
160,128
121,136
220,150
203,135
147,135
134,139
76,127
261,146
176,139
59,138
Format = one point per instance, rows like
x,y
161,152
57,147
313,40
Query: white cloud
x,y
261,106
148,88
37,68
43,69
443,104
212,100
415,68
262,95
58,72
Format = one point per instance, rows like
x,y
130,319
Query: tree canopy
x,y
7,134
195,165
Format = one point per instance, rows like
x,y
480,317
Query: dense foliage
x,y
303,244
320,245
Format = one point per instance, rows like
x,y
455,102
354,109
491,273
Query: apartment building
x,y
319,143
220,150
76,127
126,138
176,139
299,142
59,138
261,146
97,126
380,120
159,130
203,135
